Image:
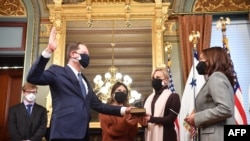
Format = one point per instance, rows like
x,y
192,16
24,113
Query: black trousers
x,y
69,140
86,138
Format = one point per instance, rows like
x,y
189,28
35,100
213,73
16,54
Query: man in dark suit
x,y
27,120
71,98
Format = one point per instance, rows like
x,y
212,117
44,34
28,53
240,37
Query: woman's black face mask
x,y
157,84
120,97
201,67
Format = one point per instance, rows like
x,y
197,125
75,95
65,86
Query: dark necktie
x,y
29,109
83,89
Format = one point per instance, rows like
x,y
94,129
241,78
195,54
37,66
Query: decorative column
x,y
158,27
60,24
57,21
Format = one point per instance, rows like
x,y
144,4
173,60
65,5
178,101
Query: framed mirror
x,y
138,37
131,53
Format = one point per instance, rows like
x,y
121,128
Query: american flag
x,y
239,112
171,87
171,82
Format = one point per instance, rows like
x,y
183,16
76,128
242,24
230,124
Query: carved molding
x,y
12,8
221,5
171,28
45,30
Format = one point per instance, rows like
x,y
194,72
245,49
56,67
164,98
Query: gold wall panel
x,y
221,5
12,8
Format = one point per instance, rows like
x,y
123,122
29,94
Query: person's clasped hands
x,y
190,119
191,125
141,119
132,119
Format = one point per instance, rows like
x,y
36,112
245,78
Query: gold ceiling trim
x,y
221,5
14,8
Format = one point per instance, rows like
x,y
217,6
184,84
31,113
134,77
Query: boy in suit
x,y
27,120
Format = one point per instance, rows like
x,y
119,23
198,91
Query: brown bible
x,y
138,111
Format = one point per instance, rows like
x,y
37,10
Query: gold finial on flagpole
x,y
193,37
221,24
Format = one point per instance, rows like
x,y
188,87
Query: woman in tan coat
x,y
115,128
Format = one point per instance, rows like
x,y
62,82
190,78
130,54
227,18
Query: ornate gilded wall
x,y
221,5
13,8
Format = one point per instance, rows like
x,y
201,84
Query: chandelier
x,y
104,85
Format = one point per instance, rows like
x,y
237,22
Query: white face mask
x,y
30,97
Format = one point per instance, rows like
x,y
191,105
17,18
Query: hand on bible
x,y
127,111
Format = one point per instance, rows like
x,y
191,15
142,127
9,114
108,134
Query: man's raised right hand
x,y
52,45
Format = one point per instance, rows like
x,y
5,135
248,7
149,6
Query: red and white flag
x,y
239,111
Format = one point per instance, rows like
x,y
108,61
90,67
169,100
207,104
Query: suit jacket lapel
x,y
87,84
71,76
24,110
24,113
34,111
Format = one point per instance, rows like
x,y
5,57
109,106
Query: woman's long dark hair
x,y
218,60
114,87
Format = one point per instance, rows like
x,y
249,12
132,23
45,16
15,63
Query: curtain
x,y
187,24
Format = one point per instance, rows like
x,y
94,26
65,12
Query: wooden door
x,y
10,94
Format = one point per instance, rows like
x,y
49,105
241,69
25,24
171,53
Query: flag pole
x,y
193,37
221,23
168,50
239,115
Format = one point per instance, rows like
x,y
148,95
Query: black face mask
x,y
157,84
84,61
201,67
120,97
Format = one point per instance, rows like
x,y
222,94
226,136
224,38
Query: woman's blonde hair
x,y
163,70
